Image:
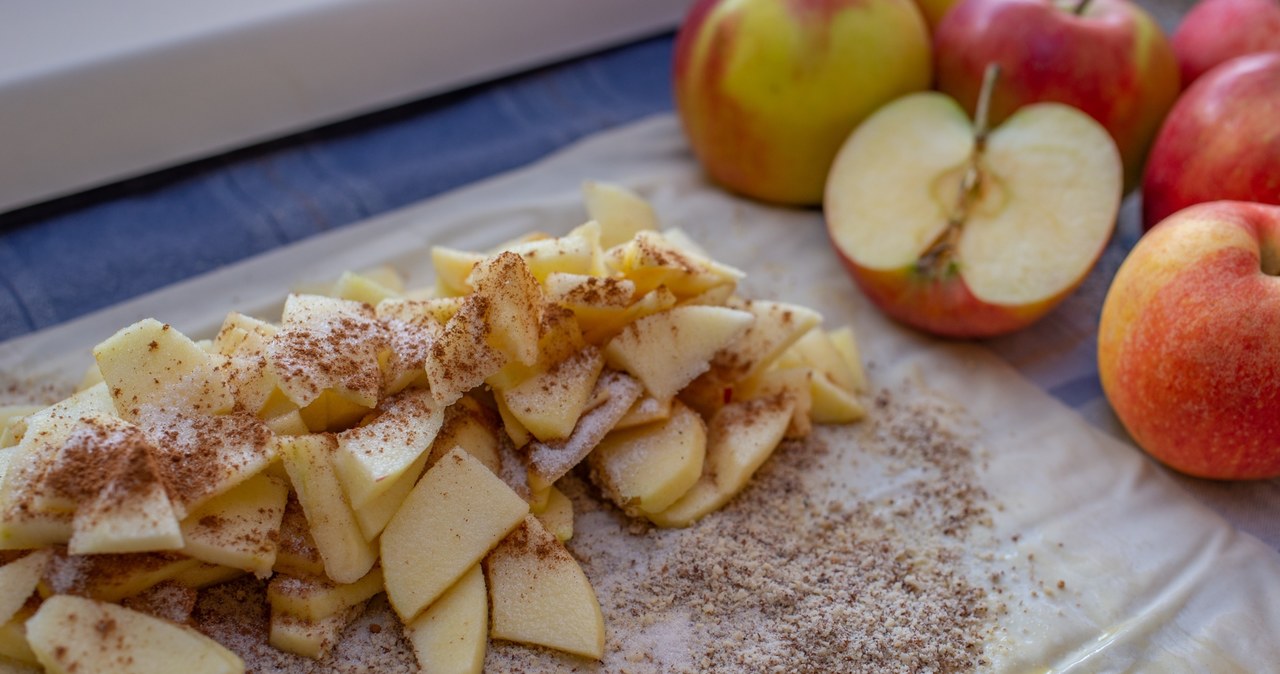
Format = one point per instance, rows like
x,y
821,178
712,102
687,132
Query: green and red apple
x,y
1221,141
1187,345
1108,58
768,89
1216,31
967,233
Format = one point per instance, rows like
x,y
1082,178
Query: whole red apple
x,y
1110,60
767,90
1221,141
1189,341
1216,31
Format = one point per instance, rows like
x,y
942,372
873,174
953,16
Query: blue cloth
x,y
69,257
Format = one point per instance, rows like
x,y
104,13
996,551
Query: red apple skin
x,y
1114,63
1216,31
944,307
1221,141
1189,341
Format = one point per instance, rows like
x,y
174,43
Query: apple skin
x,y
1216,31
767,90
1187,345
944,307
934,10
1114,63
1221,141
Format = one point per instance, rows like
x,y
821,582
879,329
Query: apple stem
x,y
1080,7
981,118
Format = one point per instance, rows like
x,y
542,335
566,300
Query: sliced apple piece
x,y
740,438
14,646
374,515
296,552
309,461
556,515
201,456
240,527
576,253
205,575
654,261
777,326
314,598
463,357
361,288
601,325
550,402
18,580
514,305
111,577
412,328
457,512
793,385
967,232
130,511
620,212
310,638
667,350
150,364
452,267
847,346
832,404
817,349
645,469
646,410
371,457
328,344
539,594
73,634
472,427
552,460
451,635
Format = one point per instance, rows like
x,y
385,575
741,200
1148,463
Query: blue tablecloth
x,y
69,257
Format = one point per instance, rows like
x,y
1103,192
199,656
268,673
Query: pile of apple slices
x,y
376,440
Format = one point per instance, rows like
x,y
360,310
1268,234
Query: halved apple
x,y
965,233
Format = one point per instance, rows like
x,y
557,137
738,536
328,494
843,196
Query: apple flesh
x,y
767,89
1112,61
1221,141
1216,31
1187,347
981,261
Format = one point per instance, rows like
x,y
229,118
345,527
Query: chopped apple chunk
x,y
739,439
110,577
552,460
73,634
457,512
370,457
313,598
309,638
450,636
150,364
539,594
309,461
550,402
328,344
645,469
240,527
667,350
18,580
515,305
621,213
557,515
